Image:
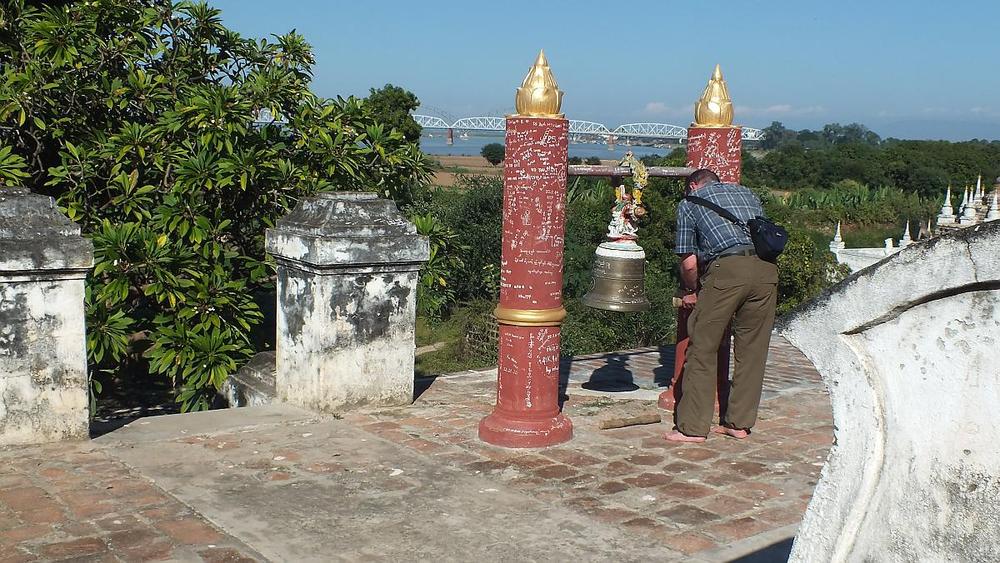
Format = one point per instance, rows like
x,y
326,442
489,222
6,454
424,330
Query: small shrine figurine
x,y
628,207
625,215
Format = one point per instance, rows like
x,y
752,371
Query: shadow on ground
x,y
776,552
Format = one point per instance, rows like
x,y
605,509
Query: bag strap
x,y
725,213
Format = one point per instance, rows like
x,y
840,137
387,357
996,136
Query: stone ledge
x,y
253,384
347,230
35,237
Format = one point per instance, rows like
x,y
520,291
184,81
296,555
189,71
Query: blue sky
x,y
912,69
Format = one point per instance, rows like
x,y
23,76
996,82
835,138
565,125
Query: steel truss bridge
x,y
579,127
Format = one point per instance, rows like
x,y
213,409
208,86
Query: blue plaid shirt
x,y
703,232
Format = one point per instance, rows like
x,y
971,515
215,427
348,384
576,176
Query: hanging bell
x,y
618,278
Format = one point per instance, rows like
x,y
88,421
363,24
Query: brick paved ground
x,y
75,502
690,497
81,501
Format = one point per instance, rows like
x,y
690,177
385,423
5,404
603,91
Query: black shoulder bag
x,y
768,238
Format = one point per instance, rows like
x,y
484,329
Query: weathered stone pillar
x,y
348,264
713,143
531,270
43,352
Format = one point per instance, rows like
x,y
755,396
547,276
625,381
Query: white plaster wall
x,y
345,340
43,361
860,258
909,351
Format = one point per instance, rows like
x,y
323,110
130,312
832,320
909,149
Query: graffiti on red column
x,y
534,213
717,149
530,368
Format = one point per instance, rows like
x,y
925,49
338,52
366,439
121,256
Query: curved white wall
x,y
910,350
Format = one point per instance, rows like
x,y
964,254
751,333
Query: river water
x,y
435,142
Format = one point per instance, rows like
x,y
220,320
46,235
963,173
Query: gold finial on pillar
x,y
715,107
539,95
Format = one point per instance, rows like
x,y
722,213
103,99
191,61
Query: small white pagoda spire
x,y
994,212
968,210
906,240
838,241
977,199
947,215
947,209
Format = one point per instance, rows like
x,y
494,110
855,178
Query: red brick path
x,y
690,497
73,502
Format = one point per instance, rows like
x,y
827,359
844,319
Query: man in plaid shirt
x,y
725,283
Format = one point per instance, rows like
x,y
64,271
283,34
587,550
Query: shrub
x,y
437,278
175,142
804,270
475,215
493,153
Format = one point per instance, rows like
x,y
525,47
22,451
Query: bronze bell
x,y
618,278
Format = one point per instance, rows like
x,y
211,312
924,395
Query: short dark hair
x,y
701,175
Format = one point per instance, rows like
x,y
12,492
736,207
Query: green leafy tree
x,y
175,143
774,135
493,153
392,106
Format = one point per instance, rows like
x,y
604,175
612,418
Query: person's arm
x,y
689,279
686,247
689,272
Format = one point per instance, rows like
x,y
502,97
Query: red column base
x,y
506,432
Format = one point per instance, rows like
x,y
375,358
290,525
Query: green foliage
x,y
593,160
11,168
435,291
588,189
493,153
854,202
804,270
391,106
821,159
469,335
145,120
475,215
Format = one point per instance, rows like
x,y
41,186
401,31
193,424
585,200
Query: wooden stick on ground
x,y
623,421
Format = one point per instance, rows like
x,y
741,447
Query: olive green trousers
x,y
741,290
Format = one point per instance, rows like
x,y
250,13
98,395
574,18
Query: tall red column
x,y
718,148
530,312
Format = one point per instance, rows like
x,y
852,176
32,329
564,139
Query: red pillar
x,y
530,312
450,136
719,149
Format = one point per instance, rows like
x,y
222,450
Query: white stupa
x,y
947,214
994,213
